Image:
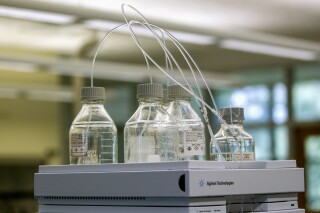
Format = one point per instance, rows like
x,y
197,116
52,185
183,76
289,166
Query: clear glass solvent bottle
x,y
234,142
190,126
150,135
93,134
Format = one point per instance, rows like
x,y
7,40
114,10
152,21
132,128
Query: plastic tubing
x,y
146,24
173,39
164,48
99,46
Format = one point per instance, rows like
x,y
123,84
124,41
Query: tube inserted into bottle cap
x,y
93,93
232,114
149,90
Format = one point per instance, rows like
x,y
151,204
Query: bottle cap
x,y
232,114
176,91
93,93
149,90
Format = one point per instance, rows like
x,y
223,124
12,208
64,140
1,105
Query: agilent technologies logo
x,y
202,183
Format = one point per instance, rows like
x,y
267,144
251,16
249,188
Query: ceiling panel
x,y
287,23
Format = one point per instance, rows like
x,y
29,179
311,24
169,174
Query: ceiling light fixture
x,y
184,37
17,66
34,15
10,93
268,49
57,95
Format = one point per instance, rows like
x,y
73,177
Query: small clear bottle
x,y
93,134
190,126
234,142
150,135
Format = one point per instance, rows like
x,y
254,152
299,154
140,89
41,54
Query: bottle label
x,y
246,156
78,145
194,143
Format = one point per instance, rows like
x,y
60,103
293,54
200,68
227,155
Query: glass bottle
x,y
234,142
93,134
190,126
150,135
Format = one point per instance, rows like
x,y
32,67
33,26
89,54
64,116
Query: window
x,y
306,95
306,100
279,108
312,150
281,144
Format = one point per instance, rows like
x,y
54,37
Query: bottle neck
x,y
234,130
182,100
92,102
150,100
236,125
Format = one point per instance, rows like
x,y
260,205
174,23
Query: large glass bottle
x,y
93,135
234,142
150,135
191,129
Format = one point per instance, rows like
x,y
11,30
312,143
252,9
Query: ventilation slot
x,y
91,198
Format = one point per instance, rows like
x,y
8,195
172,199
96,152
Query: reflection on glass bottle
x,y
93,135
234,142
150,135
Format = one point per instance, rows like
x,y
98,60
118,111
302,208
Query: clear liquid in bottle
x,y
150,135
93,135
234,142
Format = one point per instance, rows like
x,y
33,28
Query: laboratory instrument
x,y
183,187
